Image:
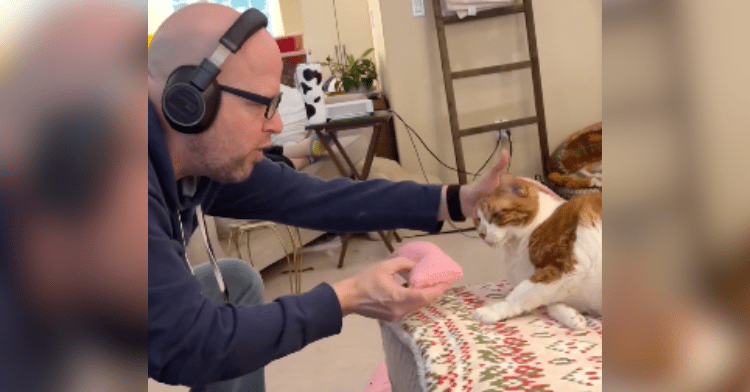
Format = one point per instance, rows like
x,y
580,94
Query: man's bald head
x,y
192,34
228,149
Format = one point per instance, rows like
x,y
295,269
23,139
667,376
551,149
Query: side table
x,y
377,120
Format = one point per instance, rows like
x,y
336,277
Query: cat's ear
x,y
507,180
518,189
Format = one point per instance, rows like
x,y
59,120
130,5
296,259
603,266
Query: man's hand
x,y
471,193
376,293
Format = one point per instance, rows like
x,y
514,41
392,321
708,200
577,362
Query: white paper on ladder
x,y
462,8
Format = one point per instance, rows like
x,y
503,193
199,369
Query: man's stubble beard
x,y
228,173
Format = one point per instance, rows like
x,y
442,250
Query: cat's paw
x,y
567,316
486,315
492,313
576,322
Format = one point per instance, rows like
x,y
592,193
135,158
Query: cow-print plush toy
x,y
309,80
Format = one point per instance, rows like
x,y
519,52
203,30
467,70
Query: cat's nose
x,y
482,235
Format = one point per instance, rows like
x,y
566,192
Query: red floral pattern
x,y
527,353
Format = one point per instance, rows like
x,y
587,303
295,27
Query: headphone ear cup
x,y
212,98
186,108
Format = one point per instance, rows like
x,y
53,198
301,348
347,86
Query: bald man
x,y
196,336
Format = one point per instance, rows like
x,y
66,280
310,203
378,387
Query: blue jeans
x,y
245,288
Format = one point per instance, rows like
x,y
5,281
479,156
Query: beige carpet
x,y
344,363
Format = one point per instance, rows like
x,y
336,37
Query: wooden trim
x,y
536,77
491,70
497,126
449,92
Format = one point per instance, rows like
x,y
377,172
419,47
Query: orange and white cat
x,y
552,247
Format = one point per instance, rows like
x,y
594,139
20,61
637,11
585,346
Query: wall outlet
x,y
501,134
417,7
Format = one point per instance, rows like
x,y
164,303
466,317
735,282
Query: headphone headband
x,y
243,28
246,25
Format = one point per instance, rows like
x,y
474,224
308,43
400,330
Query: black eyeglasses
x,y
271,104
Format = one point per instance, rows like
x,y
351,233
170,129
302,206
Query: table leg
x,y
344,245
386,240
376,131
330,152
249,253
346,157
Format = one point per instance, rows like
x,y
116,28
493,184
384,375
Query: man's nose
x,y
274,125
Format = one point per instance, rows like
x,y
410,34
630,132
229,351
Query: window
x,y
269,7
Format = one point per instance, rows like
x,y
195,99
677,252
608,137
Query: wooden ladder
x,y
449,76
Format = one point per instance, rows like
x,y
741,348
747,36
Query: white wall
x,y
291,13
158,11
320,33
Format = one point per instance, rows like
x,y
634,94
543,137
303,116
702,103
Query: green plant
x,y
352,73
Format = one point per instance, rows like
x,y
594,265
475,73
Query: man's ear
x,y
155,89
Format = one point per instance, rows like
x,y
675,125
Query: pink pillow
x,y
433,267
379,381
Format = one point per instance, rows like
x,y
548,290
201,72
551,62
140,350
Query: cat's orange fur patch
x,y
551,244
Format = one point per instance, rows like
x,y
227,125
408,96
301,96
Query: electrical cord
x,y
411,130
504,134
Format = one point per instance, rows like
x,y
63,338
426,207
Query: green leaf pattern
x,y
353,72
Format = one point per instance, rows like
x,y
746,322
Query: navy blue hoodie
x,y
193,341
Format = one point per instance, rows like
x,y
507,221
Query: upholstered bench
x,y
442,348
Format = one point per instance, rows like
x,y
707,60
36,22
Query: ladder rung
x,y
494,127
491,70
490,13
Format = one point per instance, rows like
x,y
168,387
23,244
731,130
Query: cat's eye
x,y
519,191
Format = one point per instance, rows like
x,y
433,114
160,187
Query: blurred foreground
x,y
73,196
677,243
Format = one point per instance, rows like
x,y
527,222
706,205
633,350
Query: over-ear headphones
x,y
192,96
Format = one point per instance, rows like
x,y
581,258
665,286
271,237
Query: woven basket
x,y
564,192
571,193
